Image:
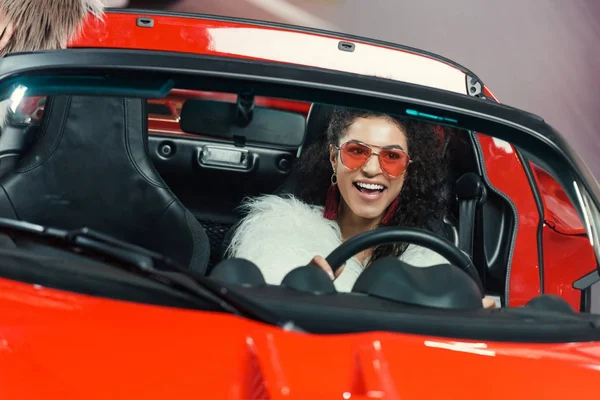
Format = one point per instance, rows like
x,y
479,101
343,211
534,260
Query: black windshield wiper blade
x,y
150,264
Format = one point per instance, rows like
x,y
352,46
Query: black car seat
x,y
90,167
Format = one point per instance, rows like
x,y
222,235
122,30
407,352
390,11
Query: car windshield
x,y
283,199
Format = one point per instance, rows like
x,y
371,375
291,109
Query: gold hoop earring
x,y
333,179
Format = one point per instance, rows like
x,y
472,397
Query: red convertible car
x,y
123,165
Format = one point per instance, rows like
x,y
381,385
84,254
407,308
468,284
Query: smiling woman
x,y
371,170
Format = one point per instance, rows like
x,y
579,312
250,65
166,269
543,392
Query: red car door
x,y
552,249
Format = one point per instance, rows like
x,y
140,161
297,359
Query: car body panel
x,y
73,346
568,252
559,212
258,42
566,259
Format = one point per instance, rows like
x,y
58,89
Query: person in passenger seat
x,y
35,25
373,170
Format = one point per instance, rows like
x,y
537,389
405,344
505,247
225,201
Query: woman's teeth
x,y
369,186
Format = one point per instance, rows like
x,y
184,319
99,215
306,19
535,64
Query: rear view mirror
x,y
243,122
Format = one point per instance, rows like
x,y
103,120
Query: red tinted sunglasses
x,y
392,159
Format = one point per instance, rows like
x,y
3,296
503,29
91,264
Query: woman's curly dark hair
x,y
421,197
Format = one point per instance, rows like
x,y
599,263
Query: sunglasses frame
x,y
373,153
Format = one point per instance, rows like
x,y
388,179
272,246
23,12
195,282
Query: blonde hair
x,y
46,24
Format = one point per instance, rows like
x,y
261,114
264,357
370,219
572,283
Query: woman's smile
x,y
370,191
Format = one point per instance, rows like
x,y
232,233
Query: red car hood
x,y
56,344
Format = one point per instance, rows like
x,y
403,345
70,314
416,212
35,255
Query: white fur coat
x,y
279,234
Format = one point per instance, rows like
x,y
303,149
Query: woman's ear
x,y
332,156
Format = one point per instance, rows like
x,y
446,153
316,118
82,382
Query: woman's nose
x,y
372,166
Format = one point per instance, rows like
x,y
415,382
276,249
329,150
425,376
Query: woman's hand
x,y
321,262
488,302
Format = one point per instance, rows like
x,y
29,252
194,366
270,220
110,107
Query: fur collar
x,y
279,234
46,24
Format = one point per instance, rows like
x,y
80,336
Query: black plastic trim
x,y
587,281
97,279
344,313
263,160
475,88
540,207
296,28
585,284
348,47
586,300
145,22
481,162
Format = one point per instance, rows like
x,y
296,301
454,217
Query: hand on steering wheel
x,y
333,266
487,301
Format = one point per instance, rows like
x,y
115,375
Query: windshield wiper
x,y
148,264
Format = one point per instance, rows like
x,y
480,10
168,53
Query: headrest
x,y
316,123
91,152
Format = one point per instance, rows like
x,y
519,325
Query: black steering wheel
x,y
395,234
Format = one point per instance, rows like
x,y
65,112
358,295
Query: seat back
x,y
90,168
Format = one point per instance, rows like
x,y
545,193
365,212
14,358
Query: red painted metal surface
x,y
566,259
267,43
506,173
60,345
488,93
568,253
559,212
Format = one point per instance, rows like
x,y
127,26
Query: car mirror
x,y
242,122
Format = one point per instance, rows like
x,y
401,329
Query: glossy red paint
x,y
559,212
567,258
199,35
487,92
568,253
506,173
61,345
